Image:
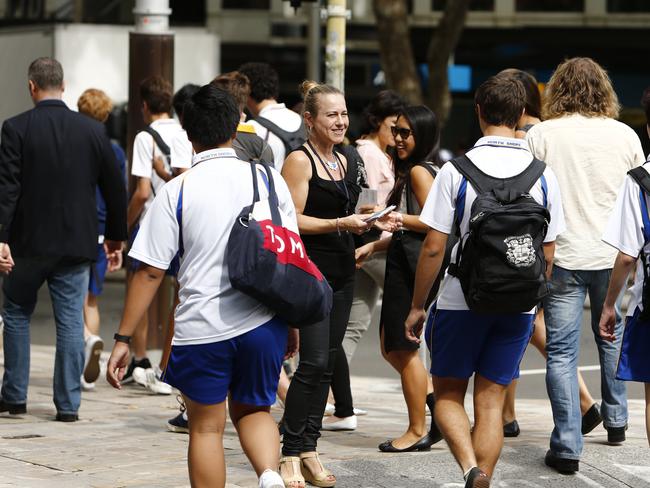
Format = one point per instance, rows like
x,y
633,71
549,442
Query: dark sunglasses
x,y
403,132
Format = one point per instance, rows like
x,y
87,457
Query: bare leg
x,y
91,316
258,435
167,350
487,437
647,411
452,419
414,387
539,341
205,459
283,386
139,339
509,413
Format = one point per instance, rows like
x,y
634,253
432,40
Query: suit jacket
x,y
51,161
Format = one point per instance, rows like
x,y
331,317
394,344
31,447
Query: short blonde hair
x,y
311,90
582,86
95,103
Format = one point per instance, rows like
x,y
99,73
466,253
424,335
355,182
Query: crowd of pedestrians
x,y
473,258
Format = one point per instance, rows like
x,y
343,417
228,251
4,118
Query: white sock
x,y
270,479
466,474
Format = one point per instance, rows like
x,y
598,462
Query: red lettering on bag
x,y
288,247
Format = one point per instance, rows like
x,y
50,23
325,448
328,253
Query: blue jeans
x,y
563,310
67,284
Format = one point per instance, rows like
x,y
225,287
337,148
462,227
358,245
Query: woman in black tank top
x,y
324,190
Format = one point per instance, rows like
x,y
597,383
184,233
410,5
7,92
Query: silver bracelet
x,y
338,229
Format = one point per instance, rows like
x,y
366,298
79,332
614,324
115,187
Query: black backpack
x,y
500,262
641,176
291,140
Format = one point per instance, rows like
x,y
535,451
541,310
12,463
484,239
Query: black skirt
x,y
398,293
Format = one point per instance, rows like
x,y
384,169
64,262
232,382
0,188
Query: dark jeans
x,y
320,354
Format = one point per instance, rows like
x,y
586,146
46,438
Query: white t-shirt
x,y
144,151
215,190
284,118
590,156
501,157
624,232
182,151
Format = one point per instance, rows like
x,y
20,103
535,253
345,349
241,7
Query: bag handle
x,y
274,204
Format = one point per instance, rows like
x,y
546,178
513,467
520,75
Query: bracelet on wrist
x,y
122,338
338,228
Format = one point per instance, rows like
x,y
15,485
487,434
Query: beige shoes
x,y
324,478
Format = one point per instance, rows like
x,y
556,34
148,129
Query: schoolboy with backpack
x,y
628,230
506,208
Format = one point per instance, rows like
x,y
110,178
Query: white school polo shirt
x,y
285,119
624,232
144,151
501,157
215,190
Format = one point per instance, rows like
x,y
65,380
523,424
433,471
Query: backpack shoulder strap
x,y
162,145
641,176
272,127
525,180
472,174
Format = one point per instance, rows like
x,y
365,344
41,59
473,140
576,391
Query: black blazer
x,y
51,160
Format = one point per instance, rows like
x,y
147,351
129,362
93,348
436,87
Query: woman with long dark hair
x,y
416,161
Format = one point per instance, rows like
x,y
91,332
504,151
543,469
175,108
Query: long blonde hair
x,y
580,85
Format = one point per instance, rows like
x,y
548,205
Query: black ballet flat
x,y
423,444
511,429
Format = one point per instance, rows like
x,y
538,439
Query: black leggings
x,y
320,348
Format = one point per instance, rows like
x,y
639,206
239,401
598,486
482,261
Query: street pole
x,y
335,48
151,53
313,42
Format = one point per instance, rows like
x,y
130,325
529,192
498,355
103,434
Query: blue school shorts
x,y
634,362
247,366
462,343
98,272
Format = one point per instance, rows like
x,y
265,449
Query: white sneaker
x,y
335,423
153,383
87,386
92,353
140,375
271,479
329,410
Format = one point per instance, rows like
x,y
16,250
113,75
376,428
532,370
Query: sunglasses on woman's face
x,y
403,132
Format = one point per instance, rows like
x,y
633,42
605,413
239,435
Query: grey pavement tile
x,y
121,441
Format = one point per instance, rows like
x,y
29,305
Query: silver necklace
x,y
333,165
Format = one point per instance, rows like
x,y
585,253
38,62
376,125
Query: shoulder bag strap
x,y
164,148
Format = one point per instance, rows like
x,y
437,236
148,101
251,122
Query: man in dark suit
x,y
51,160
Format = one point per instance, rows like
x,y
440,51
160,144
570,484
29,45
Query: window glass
x,y
481,5
550,5
247,4
628,5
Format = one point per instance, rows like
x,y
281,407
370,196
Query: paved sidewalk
x,y
121,441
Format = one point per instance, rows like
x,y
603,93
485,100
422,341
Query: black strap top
x,y
333,253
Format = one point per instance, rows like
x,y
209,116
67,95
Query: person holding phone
x,y
416,161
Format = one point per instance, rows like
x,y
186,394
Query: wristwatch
x,y
122,338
